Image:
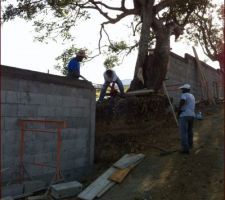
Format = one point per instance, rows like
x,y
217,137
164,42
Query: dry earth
x,y
198,176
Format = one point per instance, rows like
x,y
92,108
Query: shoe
x,y
184,152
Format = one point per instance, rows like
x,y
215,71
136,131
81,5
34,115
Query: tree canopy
x,y
153,20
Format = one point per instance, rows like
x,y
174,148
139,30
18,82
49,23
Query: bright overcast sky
x,y
19,50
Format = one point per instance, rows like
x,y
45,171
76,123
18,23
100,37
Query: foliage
x,y
207,30
110,62
64,58
58,18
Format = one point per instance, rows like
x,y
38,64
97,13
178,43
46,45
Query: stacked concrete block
x,y
33,95
184,70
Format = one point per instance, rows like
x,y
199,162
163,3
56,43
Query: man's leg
x,y
183,126
120,85
190,131
73,75
103,91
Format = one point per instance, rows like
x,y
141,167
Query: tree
x,y
156,21
208,31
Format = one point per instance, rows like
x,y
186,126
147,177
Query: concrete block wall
x,y
184,70
32,95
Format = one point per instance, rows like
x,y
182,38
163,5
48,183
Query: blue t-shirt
x,y
74,66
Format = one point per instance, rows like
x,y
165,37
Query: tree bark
x,y
157,64
146,11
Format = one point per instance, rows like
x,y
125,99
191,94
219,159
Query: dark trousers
x,y
186,132
73,75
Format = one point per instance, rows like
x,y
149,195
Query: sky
x,y
18,49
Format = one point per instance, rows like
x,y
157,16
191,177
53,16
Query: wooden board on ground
x,y
106,188
120,174
128,160
100,184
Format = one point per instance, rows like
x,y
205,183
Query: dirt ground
x,y
198,176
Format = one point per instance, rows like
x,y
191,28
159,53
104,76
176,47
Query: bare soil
x,y
174,176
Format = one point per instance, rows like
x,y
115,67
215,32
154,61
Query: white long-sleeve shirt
x,y
112,79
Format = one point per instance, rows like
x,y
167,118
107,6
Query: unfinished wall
x,y
184,70
33,95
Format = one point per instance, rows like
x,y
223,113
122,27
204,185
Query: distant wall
x,y
33,95
184,70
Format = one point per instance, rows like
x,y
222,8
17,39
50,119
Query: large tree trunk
x,y
147,11
156,64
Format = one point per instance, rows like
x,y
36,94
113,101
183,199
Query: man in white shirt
x,y
186,115
110,77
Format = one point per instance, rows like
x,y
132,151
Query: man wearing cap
x,y
186,114
73,66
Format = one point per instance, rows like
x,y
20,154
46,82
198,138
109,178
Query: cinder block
x,y
46,111
34,186
78,122
3,96
12,190
10,110
78,112
65,190
37,99
10,84
24,85
7,198
12,97
81,102
27,110
24,98
69,101
54,100
10,123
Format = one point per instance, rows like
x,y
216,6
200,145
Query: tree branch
x,y
163,4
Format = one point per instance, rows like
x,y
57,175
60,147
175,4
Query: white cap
x,y
185,86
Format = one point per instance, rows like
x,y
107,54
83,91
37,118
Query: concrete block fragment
x,y
34,186
64,190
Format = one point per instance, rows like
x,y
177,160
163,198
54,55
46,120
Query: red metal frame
x,y
59,125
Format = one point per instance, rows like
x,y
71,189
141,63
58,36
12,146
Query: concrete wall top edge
x,y
43,77
189,57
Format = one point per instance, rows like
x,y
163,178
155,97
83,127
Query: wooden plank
x,y
120,174
97,186
136,92
128,160
204,83
107,187
166,92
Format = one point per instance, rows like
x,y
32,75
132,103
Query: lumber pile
x,y
114,175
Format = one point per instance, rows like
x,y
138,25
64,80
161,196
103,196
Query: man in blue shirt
x,y
73,66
